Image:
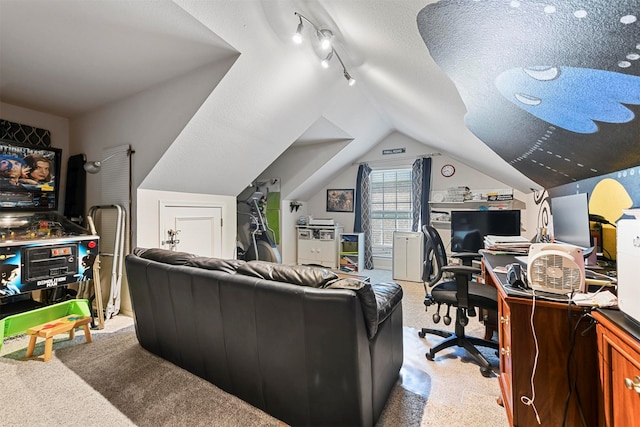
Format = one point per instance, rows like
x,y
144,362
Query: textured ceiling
x,y
68,57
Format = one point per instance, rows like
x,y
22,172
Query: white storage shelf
x,y
476,204
351,252
440,199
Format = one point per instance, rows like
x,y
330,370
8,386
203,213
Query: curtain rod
x,y
398,158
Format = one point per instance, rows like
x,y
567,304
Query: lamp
x,y
94,167
325,37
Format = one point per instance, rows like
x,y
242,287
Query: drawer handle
x,y
633,384
505,351
504,320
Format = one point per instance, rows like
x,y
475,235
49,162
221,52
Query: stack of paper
x,y
506,244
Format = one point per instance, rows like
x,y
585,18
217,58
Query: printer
x,y
628,263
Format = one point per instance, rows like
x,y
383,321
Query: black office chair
x,y
461,292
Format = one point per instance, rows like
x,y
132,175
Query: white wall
x,y
149,216
149,121
464,176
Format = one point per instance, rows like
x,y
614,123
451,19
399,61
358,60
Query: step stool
x,y
55,327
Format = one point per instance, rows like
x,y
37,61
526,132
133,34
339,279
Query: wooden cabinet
x,y
318,245
619,357
563,353
351,252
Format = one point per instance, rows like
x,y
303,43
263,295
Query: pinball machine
x,y
40,250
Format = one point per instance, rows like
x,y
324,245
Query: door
x,y
191,228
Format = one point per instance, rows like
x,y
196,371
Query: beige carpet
x,y
113,381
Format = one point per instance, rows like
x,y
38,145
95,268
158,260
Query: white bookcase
x,y
351,252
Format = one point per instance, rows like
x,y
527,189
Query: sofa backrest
x,y
262,340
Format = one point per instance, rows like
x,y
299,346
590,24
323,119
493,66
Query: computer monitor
x,y
570,219
468,228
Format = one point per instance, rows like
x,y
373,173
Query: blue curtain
x,y
362,222
421,186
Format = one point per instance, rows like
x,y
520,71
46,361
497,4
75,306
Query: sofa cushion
x,y
217,264
163,255
295,274
367,299
388,295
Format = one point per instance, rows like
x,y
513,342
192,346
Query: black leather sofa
x,y
296,342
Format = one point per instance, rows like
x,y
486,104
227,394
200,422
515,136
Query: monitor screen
x,y
570,219
468,228
29,177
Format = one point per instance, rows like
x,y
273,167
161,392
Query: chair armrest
x,y
466,257
461,269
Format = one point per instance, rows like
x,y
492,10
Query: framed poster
x,y
340,200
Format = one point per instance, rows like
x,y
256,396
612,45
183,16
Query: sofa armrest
x,y
377,301
388,295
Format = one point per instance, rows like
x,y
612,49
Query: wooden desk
x,y
554,325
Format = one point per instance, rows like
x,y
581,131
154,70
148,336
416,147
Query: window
x,y
391,207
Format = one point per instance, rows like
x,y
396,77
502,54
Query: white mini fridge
x,y
408,250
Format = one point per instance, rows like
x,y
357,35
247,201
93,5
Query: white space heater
x,y
556,268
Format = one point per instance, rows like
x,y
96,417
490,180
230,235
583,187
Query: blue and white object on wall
x,y
553,87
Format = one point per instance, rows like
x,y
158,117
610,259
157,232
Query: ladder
x,y
111,246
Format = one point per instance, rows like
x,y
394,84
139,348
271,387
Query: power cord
x,y
573,382
530,401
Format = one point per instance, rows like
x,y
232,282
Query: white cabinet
x,y
408,249
352,252
318,245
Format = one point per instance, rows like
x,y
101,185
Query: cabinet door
x,y
625,401
326,252
306,252
620,367
504,337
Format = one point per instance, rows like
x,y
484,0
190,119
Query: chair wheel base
x,y
429,356
486,372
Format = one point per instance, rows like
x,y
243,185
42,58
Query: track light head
x,y
325,37
350,79
325,61
297,37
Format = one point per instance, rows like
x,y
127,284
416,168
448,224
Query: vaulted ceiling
x,y
70,57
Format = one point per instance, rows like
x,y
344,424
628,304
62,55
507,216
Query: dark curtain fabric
x,y
421,188
362,222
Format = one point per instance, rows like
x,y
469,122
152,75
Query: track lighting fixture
x,y
325,38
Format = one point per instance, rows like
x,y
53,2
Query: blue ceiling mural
x,y
551,87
